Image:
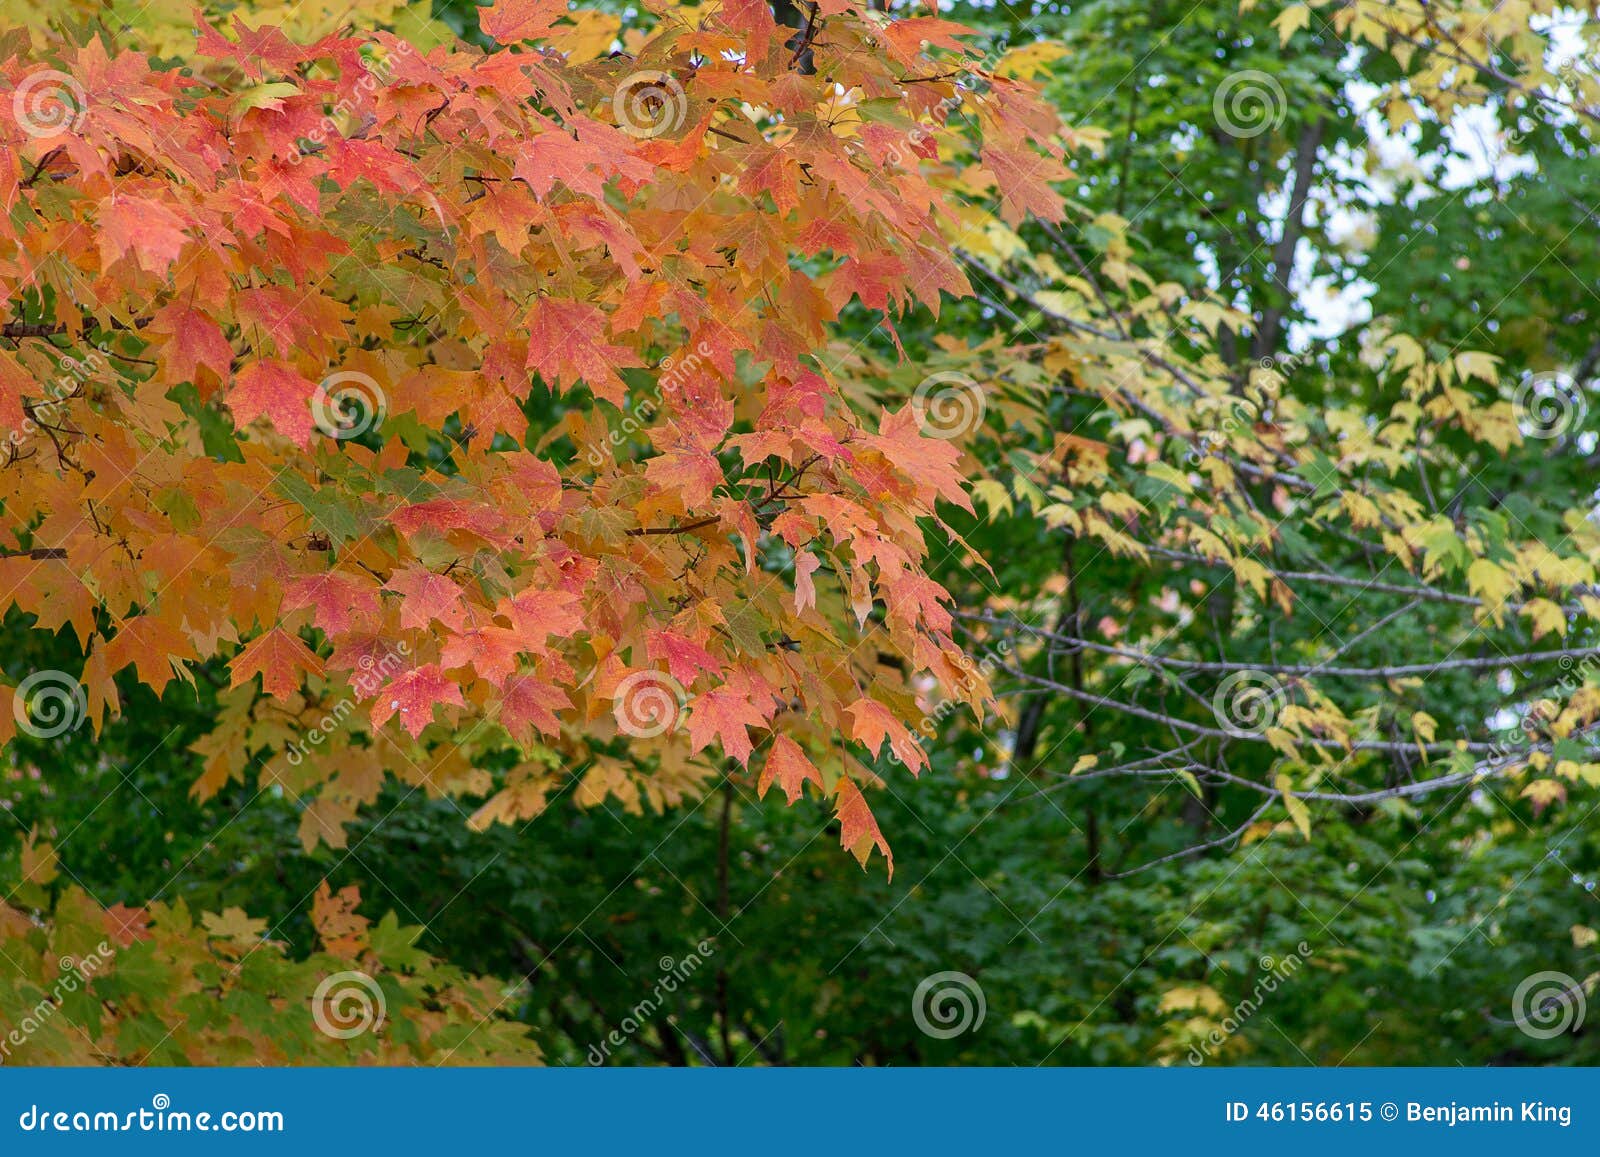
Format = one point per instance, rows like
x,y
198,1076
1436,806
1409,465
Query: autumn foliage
x,y
158,984
477,400
480,464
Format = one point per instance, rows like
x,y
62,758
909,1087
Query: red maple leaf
x,y
442,515
566,342
194,340
125,925
685,657
428,598
531,703
1024,178
538,614
336,599
271,389
744,701
873,724
686,471
491,651
413,696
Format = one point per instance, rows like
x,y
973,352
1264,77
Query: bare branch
x,y
1297,670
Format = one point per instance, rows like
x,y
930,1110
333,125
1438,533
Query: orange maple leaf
x,y
565,343
539,614
280,658
509,21
788,766
726,713
858,829
152,645
341,929
873,723
147,229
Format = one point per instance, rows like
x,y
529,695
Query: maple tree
x,y
97,985
534,423
1256,512
357,351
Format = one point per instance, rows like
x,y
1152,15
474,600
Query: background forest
x,y
1280,567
